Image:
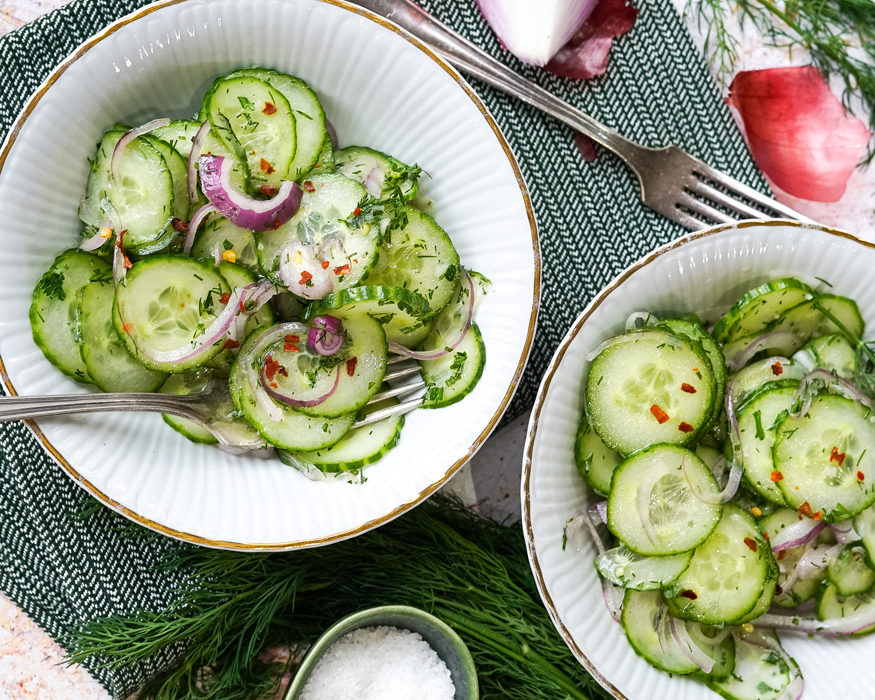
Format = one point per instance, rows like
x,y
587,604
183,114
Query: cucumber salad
x,y
242,255
737,468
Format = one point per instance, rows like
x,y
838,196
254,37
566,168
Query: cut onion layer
x,y
301,270
193,226
796,534
688,647
325,336
197,145
240,209
97,240
811,384
767,340
811,625
277,394
129,136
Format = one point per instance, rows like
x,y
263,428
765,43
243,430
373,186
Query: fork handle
x,y
471,60
18,407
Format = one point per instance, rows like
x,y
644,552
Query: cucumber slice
x,y
54,310
786,559
622,567
360,447
280,425
310,129
179,134
649,386
165,302
656,506
326,202
830,605
218,233
727,574
760,307
864,524
807,321
451,378
595,461
646,621
850,573
178,167
401,311
356,370
325,162
110,366
760,672
419,256
190,383
832,352
756,375
380,173
779,345
261,121
756,421
823,458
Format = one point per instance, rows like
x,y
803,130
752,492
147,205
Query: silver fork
x,y
232,435
674,183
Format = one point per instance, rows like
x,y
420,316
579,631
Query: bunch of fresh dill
x,y
470,571
839,35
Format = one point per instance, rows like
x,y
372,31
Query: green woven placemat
x,y
62,569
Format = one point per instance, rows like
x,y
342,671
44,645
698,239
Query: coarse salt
x,y
380,663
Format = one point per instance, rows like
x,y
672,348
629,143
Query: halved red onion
x,y
325,335
197,144
688,647
808,389
300,268
448,348
814,561
767,340
796,534
277,395
97,240
129,136
193,225
240,209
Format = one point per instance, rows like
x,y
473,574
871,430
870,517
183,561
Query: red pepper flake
x,y
689,388
817,516
356,211
659,414
696,370
805,509
685,427
781,555
291,338
269,108
350,365
266,166
751,543
689,594
242,307
268,190
355,260
179,224
305,277
342,270
309,186
225,298
777,369
128,327
128,264
274,385
230,344
276,223
766,536
270,367
836,456
861,476
325,264
283,371
291,347
776,476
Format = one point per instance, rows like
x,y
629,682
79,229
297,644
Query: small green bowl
x,y
440,636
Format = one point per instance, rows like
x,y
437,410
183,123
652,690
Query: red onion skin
x,y
325,335
277,395
194,155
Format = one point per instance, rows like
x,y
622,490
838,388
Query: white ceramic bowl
x,y
699,273
381,88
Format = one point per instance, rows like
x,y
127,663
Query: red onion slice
x,y
119,259
325,335
193,225
688,647
435,354
583,522
374,182
844,532
240,209
613,597
767,340
713,499
808,389
815,560
332,133
796,534
129,136
301,270
277,395
197,144
97,240
640,319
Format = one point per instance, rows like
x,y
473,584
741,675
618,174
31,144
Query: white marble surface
x,y
29,658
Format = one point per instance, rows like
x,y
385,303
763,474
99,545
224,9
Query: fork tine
x,y
396,391
697,206
703,189
739,188
688,221
388,412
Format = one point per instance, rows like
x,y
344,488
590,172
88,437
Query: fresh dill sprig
x,y
839,35
470,571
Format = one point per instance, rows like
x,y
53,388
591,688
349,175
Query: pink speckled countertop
x,y
29,658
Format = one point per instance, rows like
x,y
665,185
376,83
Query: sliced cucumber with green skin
x,y
595,461
756,375
850,573
401,311
646,621
109,364
184,384
281,426
310,130
649,386
807,320
326,202
832,352
656,505
178,168
179,134
419,256
218,233
380,173
261,121
141,194
760,672
164,303
624,568
54,310
727,574
756,420
864,524
779,345
802,589
830,605
452,377
760,307
325,162
824,458
355,372
360,447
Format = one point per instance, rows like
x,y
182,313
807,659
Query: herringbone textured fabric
x,y
62,569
